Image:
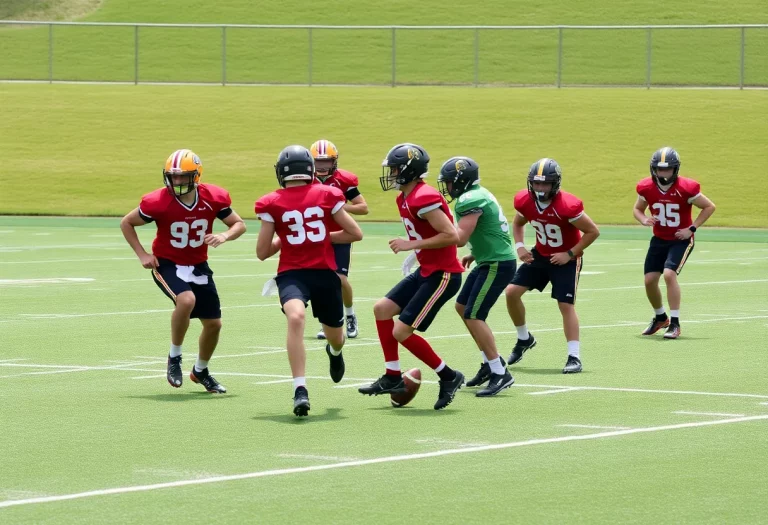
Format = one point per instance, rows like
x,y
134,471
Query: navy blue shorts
x,y
664,254
564,278
420,298
207,305
483,286
321,288
343,254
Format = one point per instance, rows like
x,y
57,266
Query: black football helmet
x,y
403,164
461,172
545,170
665,158
294,163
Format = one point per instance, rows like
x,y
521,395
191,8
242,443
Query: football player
x,y
304,216
670,198
420,295
559,220
327,172
184,212
483,227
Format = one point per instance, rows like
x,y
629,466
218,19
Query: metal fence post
x,y
223,55
136,55
309,32
50,53
559,56
394,58
477,56
648,48
743,46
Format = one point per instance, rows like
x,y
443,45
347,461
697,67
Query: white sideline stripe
x,y
649,391
719,414
765,403
318,458
681,284
274,382
373,461
11,360
50,280
149,377
696,261
556,391
599,427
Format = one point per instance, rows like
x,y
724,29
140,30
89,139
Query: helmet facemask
x,y
183,187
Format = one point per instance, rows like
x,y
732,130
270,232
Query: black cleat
x,y
352,326
207,380
520,348
301,402
673,331
448,389
484,374
497,383
656,325
337,364
386,384
572,366
174,374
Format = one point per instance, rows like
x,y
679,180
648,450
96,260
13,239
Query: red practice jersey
x,y
672,208
423,199
181,229
347,182
554,231
303,218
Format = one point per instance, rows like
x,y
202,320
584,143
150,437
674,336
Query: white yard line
x,y
597,427
646,391
316,458
372,461
716,414
555,391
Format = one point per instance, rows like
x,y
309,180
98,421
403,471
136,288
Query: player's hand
x,y
467,260
215,239
560,259
148,261
650,221
400,245
524,255
683,234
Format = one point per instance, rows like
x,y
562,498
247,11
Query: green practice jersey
x,y
490,241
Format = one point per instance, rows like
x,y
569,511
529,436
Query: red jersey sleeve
x,y
334,199
219,200
520,199
573,207
264,208
642,188
424,200
690,189
150,207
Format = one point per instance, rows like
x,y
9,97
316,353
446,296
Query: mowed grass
x,y
86,405
94,150
609,57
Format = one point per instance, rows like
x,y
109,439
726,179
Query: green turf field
x,y
610,57
652,431
94,150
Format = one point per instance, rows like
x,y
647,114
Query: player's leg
x,y
460,305
654,265
181,294
208,310
676,257
327,307
565,282
433,292
527,277
384,312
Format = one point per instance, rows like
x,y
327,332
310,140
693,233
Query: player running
x,y
559,219
483,227
670,198
184,211
303,215
420,295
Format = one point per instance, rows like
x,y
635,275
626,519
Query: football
x,y
412,379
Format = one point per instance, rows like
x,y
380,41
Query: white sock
x,y
674,313
299,381
175,350
573,348
522,332
440,366
200,365
393,365
482,354
349,310
333,351
496,367
659,311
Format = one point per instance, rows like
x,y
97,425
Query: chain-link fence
x,y
691,55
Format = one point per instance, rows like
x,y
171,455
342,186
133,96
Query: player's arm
x,y
266,244
446,234
350,230
236,229
466,226
707,209
518,234
128,227
639,212
590,233
356,205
